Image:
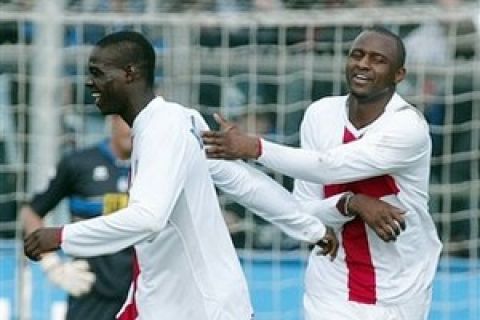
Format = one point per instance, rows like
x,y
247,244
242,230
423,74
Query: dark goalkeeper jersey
x,y
95,183
86,177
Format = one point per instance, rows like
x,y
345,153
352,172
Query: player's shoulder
x,y
325,108
82,154
406,123
193,113
162,115
80,158
173,114
405,113
172,110
328,102
168,109
190,117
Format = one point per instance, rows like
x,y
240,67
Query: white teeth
x,y
360,76
96,94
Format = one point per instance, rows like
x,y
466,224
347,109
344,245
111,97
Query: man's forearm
x,y
30,219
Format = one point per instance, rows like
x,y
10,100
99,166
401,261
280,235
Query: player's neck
x,y
136,104
362,112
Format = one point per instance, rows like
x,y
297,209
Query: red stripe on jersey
x,y
361,272
130,312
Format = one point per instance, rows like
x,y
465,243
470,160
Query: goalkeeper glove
x,y
74,276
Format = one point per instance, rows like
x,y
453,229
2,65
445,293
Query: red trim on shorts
x,y
130,312
361,272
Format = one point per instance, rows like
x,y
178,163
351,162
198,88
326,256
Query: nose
x,y
89,83
364,62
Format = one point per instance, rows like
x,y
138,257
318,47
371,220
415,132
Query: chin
x,y
360,94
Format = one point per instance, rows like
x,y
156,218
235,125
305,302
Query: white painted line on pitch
x,y
59,310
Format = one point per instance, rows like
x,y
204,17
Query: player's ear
x,y
130,71
400,75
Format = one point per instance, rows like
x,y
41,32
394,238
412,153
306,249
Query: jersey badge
x,y
100,173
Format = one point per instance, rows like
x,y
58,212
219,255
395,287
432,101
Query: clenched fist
x,y
328,244
41,241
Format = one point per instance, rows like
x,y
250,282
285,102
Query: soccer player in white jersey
x,y
369,142
185,265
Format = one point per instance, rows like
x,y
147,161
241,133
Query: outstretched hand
x,y
41,241
386,220
328,244
229,142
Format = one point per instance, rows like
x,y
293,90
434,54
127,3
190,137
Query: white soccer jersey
x,y
388,159
186,267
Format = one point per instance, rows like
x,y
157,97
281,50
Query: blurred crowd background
x,y
138,6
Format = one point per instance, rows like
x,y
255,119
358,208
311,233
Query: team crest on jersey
x,y
122,184
100,173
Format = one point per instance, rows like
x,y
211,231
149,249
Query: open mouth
x,y
360,79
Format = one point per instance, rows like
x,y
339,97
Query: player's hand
x,y
386,220
229,142
41,241
328,244
74,276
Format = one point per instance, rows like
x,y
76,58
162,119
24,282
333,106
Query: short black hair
x,y
133,48
401,52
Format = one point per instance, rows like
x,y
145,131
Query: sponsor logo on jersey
x,y
113,202
100,173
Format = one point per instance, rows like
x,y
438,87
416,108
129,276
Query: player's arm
x,y
385,219
310,197
382,217
404,140
160,170
264,196
32,213
31,220
74,277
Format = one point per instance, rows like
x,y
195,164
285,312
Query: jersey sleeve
x,y
263,196
58,188
162,152
399,143
311,195
266,198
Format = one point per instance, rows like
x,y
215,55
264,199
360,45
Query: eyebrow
x,y
374,53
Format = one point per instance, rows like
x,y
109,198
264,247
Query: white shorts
x,y
319,309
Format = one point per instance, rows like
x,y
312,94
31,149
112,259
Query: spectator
x,y
95,182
